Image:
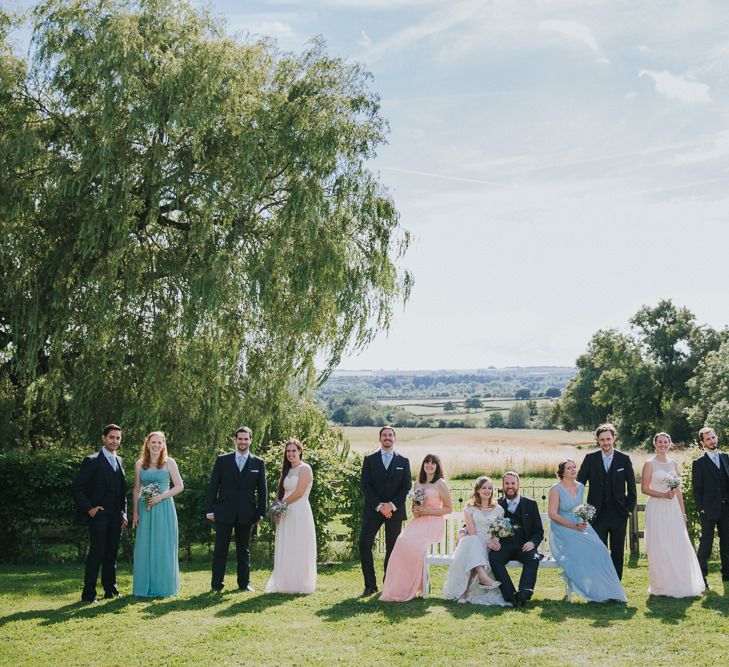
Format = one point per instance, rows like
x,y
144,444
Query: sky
x,y
558,163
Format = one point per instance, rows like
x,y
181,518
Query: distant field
x,y
433,407
470,452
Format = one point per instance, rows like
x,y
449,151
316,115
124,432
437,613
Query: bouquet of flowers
x,y
277,509
673,480
502,528
417,496
148,492
585,512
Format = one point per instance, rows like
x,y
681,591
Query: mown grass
x,y
42,622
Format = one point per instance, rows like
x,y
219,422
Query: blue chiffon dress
x,y
585,560
156,567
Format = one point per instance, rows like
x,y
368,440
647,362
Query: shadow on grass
x,y
717,601
160,607
668,610
394,611
75,610
603,614
254,603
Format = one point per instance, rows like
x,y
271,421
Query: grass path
x,y
41,622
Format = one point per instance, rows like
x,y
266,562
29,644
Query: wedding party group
x,y
586,537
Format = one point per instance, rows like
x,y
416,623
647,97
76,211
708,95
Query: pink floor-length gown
x,y
404,578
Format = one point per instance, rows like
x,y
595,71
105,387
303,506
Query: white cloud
x,y
677,87
577,32
717,149
364,40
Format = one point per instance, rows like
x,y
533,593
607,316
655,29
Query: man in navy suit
x,y
100,492
236,500
385,485
710,481
522,546
611,490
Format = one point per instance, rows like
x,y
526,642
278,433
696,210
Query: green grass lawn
x,y
42,622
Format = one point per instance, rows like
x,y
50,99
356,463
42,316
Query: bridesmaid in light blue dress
x,y
156,568
585,560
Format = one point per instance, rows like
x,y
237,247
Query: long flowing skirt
x,y
294,560
156,566
673,568
404,578
471,553
585,560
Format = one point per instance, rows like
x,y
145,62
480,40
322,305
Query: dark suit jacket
x,y
705,482
237,496
386,486
531,519
623,480
93,484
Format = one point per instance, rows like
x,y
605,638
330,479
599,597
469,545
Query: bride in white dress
x,y
469,578
294,561
673,569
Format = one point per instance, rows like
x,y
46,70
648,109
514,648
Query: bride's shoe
x,y
491,586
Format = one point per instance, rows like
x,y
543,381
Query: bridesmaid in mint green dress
x,y
156,568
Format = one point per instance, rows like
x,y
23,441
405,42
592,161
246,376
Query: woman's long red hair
x,y
147,454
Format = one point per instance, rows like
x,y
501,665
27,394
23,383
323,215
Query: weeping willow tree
x,y
187,223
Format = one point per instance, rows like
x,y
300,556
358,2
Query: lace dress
x,y
471,553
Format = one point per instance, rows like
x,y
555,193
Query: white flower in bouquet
x,y
147,492
500,528
277,509
673,480
585,512
417,496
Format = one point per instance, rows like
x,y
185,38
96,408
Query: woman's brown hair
x,y
287,465
476,497
147,454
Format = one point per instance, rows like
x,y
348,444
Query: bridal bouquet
x,y
500,528
417,496
585,512
148,492
277,509
673,480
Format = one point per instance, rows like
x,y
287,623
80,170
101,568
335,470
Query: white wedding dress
x,y
294,560
673,569
470,553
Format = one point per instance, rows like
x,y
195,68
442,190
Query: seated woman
x,y
404,578
585,560
469,578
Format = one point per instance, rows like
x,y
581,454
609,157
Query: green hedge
x,y
36,504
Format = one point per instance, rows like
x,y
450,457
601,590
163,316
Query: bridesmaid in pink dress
x,y
404,579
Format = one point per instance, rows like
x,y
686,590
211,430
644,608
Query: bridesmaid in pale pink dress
x,y
404,578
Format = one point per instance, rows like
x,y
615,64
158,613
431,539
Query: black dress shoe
x,y
89,601
218,589
247,589
369,590
111,594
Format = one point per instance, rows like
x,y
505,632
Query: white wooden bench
x,y
441,553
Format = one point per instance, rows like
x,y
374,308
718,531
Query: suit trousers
x,y
706,541
223,534
611,527
370,526
105,534
530,567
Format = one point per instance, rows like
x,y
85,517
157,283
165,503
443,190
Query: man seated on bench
x,y
521,546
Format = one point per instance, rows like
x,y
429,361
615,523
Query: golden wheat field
x,y
468,452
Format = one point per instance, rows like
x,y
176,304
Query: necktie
x,y
112,462
512,506
715,459
241,463
386,459
606,462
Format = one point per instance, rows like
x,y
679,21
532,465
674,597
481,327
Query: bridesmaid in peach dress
x,y
404,579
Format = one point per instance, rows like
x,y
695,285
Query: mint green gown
x,y
156,568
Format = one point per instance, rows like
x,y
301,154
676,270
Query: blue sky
x,y
559,163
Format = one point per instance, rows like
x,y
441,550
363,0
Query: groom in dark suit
x,y
236,500
100,492
385,484
710,478
524,515
611,490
